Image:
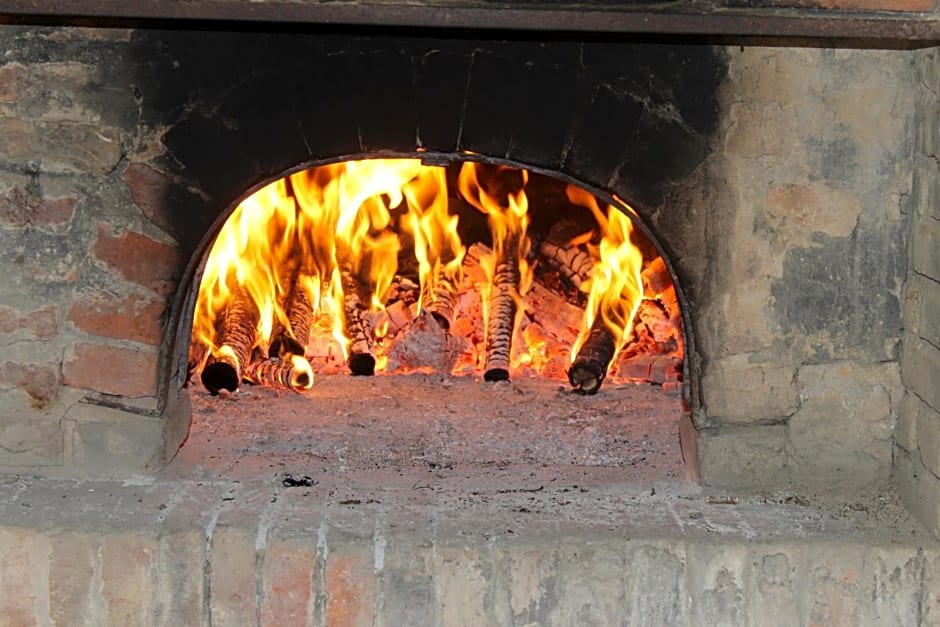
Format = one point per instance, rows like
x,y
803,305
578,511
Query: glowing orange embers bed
x,y
392,266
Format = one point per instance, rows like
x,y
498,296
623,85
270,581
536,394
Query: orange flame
x,y
615,287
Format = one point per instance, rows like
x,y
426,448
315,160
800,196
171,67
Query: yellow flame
x,y
615,287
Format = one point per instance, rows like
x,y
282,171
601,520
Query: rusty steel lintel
x,y
677,17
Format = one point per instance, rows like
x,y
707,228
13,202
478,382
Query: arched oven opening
x,y
508,314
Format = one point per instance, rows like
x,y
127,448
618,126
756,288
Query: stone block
x,y
533,578
905,433
717,576
40,382
928,438
920,369
926,314
919,489
135,317
287,572
843,429
926,248
655,586
24,595
179,578
590,586
29,436
926,188
737,390
73,585
772,590
232,577
931,602
408,586
350,586
60,147
112,370
744,458
463,580
108,442
127,562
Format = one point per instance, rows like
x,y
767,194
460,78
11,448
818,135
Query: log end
x,y
586,376
441,320
218,376
496,374
362,364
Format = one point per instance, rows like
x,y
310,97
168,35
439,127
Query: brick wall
x,y
918,433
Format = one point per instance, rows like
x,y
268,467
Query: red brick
x,y
13,80
350,584
113,370
61,146
149,188
140,259
71,580
288,583
232,578
126,585
19,207
134,317
20,588
40,324
40,381
863,5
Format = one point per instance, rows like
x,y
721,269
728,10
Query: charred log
x,y
238,332
589,368
502,308
293,341
445,298
277,373
571,263
361,352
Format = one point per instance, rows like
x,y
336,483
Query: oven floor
x,y
417,426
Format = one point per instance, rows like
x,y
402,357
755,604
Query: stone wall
x,y
800,329
918,433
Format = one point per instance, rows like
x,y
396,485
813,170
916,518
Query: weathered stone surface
x,y
112,370
748,389
19,207
843,428
24,597
926,248
179,586
127,562
36,324
928,437
73,585
232,577
60,147
463,577
716,580
926,187
350,585
919,488
39,381
772,590
107,442
905,433
288,571
920,369
743,457
29,436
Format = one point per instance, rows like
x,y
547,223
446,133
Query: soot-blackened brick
x,y
213,156
662,153
543,116
494,96
601,129
386,100
440,92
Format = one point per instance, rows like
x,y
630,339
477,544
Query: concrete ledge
x,y
448,552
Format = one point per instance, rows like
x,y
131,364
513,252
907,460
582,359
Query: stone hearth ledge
x,y
441,549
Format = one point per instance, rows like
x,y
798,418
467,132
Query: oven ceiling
x,y
685,17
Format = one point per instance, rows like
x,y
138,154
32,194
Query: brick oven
x,y
781,156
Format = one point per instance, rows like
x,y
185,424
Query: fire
x,y
615,287
304,269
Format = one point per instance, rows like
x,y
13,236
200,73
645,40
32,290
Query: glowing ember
x,y
390,265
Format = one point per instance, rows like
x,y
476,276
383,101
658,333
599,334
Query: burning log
x,y
361,352
502,314
237,336
445,298
279,373
293,341
589,368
